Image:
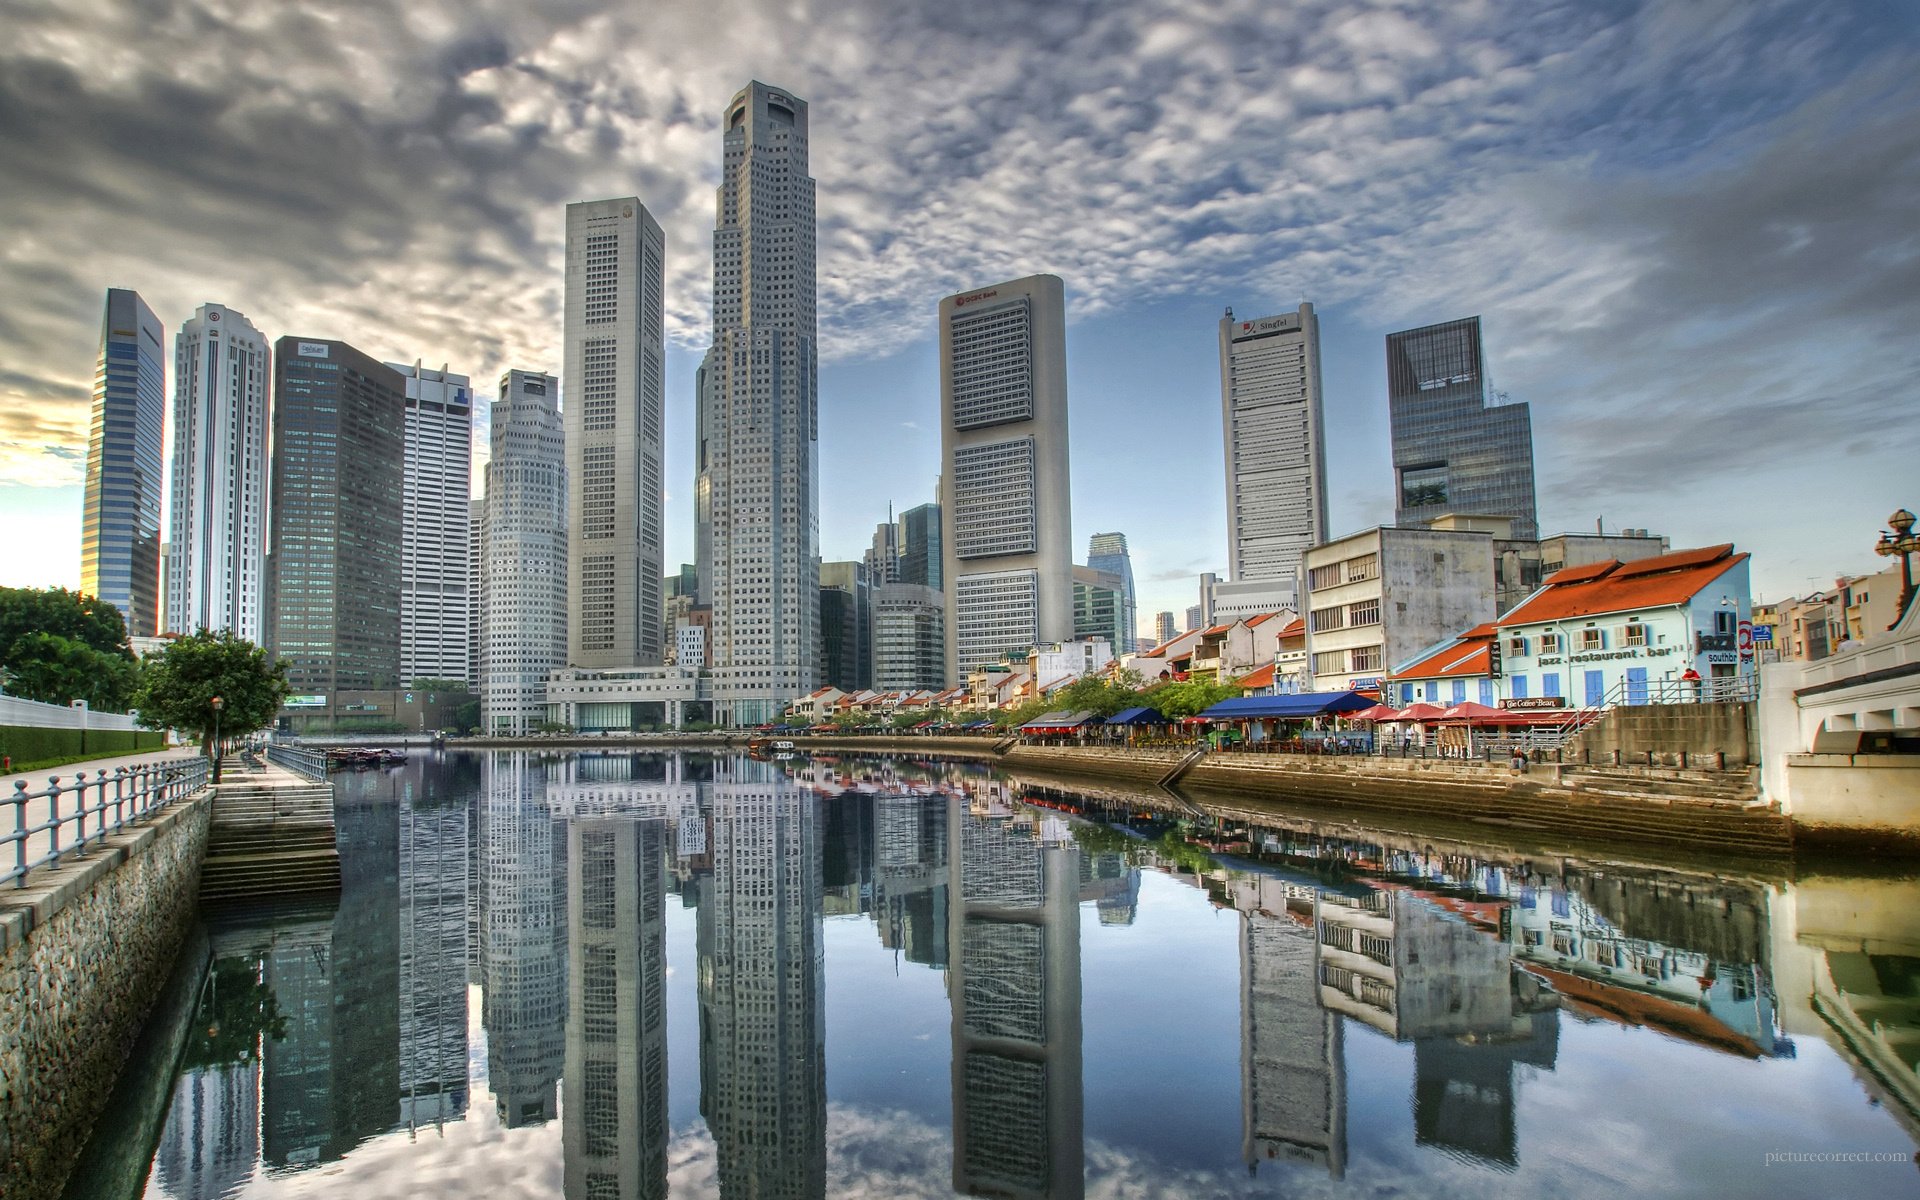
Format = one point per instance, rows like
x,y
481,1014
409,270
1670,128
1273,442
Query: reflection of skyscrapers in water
x,y
1293,1074
1014,985
616,1076
212,1137
910,876
433,951
762,1019
523,949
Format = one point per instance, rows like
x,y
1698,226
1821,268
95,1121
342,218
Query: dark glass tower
x,y
1452,453
120,517
339,429
920,546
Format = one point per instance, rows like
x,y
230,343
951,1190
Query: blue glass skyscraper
x,y
120,517
1452,453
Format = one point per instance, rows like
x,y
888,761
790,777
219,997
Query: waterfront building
x,y
435,601
920,546
1457,446
1625,633
1276,455
524,579
1100,606
1164,627
217,489
758,415
1380,596
1520,563
1243,598
614,425
690,639
1007,532
1108,552
1054,663
120,508
846,624
339,446
909,637
1456,671
1013,911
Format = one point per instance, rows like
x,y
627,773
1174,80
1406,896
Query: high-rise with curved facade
x,y
120,514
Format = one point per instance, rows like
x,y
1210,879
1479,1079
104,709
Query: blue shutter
x,y
1459,691
1596,688
1519,687
1636,685
1550,684
1486,692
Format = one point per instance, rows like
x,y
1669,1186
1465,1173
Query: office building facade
x,y
1007,532
1107,552
120,509
1275,437
339,439
846,623
523,579
909,638
757,451
1452,453
435,603
920,546
614,368
217,507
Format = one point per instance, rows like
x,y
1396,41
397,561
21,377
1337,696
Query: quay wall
x,y
85,950
1867,802
1675,734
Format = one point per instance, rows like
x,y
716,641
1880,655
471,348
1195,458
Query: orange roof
x,y
1612,586
1298,625
1209,632
1461,660
1261,678
1255,620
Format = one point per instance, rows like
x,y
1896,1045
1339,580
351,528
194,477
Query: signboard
x,y
1763,635
1361,685
313,349
304,702
1267,325
1722,658
975,297
1746,641
1532,703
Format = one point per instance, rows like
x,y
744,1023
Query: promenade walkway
x,y
37,781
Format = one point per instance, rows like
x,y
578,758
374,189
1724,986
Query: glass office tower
x,y
120,516
1452,452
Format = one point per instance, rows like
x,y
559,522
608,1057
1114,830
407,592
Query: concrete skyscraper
x,y
757,449
217,508
1108,552
339,451
614,421
1275,443
120,515
523,577
1452,453
1007,533
435,603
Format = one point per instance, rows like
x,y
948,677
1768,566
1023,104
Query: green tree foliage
x,y
58,646
1186,698
449,687
237,1013
466,717
178,686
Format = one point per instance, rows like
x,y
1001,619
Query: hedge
x,y
28,744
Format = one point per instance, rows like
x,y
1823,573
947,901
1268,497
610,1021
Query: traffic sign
x,y
1763,634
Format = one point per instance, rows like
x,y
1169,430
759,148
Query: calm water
x,y
640,976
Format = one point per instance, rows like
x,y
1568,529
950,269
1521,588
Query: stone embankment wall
x,y
1868,802
1131,765
84,952
1675,734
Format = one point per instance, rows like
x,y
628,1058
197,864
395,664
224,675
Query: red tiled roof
x,y
1297,625
1255,620
1612,587
1462,660
1209,632
1258,679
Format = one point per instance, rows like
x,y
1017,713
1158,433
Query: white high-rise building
x,y
614,419
217,520
758,416
523,628
434,528
1007,532
1275,444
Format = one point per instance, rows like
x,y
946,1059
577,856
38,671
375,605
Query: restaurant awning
x,y
1138,716
1061,722
1297,705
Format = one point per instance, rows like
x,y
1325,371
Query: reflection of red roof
x,y
1612,586
1257,679
1625,1006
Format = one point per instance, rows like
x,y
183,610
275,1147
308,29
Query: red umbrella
x,y
1378,712
1422,712
1468,710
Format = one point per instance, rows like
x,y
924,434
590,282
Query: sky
x,y
1690,228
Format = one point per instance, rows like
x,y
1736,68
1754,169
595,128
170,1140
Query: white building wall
x,y
1275,444
435,531
217,518
524,622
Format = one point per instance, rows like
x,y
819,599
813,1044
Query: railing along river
x,y
77,811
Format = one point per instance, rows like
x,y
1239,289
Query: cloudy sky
x,y
1689,227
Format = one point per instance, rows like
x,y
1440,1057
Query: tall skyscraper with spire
x,y
757,426
614,421
120,515
217,515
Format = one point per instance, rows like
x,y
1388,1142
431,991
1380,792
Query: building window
x,y
1331,662
1366,612
1518,645
1366,658
1323,577
1333,618
1636,635
1549,644
1592,639
1367,566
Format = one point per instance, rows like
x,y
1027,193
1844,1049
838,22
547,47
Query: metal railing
x,y
78,811
299,759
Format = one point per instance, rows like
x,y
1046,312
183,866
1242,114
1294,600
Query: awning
x,y
1422,712
1300,704
1061,722
1138,716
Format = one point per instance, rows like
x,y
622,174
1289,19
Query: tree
x,y
58,646
466,717
1187,698
178,686
452,687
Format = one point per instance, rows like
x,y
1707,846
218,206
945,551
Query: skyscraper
x,y
920,546
339,445
523,582
1275,443
1007,534
217,508
434,530
1165,627
758,420
883,556
909,638
1099,608
120,514
1452,453
846,626
1108,552
614,422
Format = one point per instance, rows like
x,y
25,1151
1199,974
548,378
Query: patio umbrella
x,y
1468,710
1379,712
1422,711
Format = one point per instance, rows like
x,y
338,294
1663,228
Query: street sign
x,y
1763,634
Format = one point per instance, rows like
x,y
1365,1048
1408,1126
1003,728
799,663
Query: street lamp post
x,y
218,704
1900,540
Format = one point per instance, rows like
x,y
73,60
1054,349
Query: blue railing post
x,y
119,798
20,831
53,820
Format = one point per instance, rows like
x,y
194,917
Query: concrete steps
x,y
272,836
